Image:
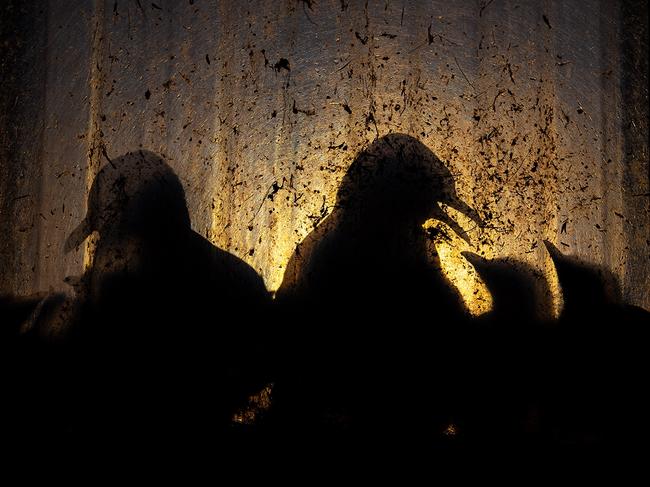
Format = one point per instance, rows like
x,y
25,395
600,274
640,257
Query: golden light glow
x,y
450,430
94,133
257,404
460,273
279,259
557,300
456,268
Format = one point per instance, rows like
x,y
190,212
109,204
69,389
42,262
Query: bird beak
x,y
462,207
553,251
474,259
77,236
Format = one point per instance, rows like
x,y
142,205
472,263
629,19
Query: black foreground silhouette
x,y
163,336
373,352
168,336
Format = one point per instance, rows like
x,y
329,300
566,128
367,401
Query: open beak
x,y
462,207
78,235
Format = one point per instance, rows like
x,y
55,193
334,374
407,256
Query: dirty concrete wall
x,y
540,109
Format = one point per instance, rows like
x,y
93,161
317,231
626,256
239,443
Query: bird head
x,y
399,181
136,194
517,289
585,287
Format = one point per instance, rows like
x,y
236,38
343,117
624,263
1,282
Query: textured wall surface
x,y
539,109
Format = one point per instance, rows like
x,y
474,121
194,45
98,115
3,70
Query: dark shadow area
x,y
367,346
30,370
502,404
25,382
597,361
163,338
15,311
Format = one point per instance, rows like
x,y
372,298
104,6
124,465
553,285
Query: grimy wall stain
x,y
539,109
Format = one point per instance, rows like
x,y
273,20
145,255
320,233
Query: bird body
x,y
376,319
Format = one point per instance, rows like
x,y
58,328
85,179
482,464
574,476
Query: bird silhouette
x,y
520,294
370,350
593,387
168,328
505,354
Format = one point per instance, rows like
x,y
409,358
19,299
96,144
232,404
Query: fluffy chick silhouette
x,y
505,355
598,359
